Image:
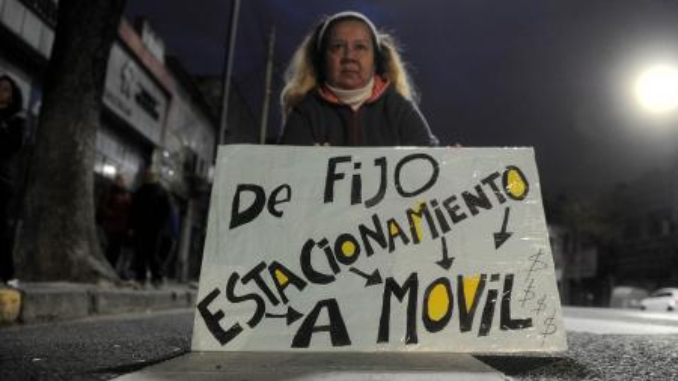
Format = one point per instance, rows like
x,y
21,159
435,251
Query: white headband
x,y
348,14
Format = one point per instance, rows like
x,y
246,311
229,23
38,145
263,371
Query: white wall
x,y
27,25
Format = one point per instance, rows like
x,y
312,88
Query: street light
x,y
656,89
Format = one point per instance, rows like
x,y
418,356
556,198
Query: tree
x,y
58,240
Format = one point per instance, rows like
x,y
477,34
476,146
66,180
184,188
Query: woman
x,y
347,86
11,140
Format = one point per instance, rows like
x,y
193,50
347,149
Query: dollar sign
x,y
541,305
549,327
528,293
536,265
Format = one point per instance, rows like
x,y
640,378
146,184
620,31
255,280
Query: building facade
x,y
153,115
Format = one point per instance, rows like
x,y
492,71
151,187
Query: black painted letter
x,y
336,327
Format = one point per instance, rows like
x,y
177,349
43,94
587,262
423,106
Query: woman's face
x,y
5,93
349,55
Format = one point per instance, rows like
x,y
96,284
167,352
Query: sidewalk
x,y
328,366
58,301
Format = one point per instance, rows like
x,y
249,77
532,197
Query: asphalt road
x,y
628,345
93,349
604,344
598,357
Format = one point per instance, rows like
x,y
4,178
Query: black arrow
x,y
292,315
503,235
373,279
446,262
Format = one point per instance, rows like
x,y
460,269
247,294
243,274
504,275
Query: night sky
x,y
555,75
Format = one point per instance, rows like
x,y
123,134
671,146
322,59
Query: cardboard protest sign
x,y
377,249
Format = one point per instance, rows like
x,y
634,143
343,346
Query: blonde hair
x,y
304,71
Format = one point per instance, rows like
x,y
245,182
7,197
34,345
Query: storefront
x,y
132,124
153,115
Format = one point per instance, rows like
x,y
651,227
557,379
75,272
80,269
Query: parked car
x,y
664,299
627,297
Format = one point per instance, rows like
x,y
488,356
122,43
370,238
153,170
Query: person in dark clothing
x,y
168,242
113,215
12,125
149,214
347,86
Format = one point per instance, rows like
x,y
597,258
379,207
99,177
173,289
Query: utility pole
x,y
267,92
228,69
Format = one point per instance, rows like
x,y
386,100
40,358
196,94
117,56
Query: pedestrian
x,y
12,125
113,216
347,86
149,214
168,242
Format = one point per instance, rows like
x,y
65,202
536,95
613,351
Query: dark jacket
x,y
11,140
150,209
113,212
386,119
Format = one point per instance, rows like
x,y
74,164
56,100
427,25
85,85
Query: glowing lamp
x,y
657,89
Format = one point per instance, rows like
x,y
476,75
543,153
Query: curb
x,y
264,366
60,301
